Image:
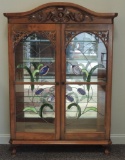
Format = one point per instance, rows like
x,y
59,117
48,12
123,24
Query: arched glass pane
x,y
86,61
86,55
35,59
35,103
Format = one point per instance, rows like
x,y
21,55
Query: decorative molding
x,y
60,14
103,35
23,34
116,138
18,35
69,35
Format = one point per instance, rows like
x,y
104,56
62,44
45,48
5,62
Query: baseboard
x,y
4,138
116,138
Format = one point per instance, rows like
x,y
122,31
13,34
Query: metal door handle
x,y
63,83
57,83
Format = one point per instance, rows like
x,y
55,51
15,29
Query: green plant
x,y
32,75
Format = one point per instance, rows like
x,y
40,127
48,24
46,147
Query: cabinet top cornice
x,y
60,12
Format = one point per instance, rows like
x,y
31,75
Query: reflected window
x,y
84,53
37,63
86,60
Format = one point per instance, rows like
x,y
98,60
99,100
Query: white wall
x,y
118,95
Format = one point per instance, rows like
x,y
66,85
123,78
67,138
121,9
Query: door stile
x,y
57,84
11,83
63,80
97,130
109,82
55,39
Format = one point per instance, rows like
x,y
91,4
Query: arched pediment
x,y
61,12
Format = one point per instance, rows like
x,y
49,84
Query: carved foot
x,y
13,150
107,150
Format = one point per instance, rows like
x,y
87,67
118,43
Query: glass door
x,y
36,83
85,85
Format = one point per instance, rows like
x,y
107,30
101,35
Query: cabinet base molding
x,y
14,143
23,142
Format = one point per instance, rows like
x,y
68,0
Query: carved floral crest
x,y
60,15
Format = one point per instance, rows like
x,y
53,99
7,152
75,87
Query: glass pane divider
x,y
94,83
37,83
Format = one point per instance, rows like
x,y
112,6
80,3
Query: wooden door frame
x,y
25,30
95,29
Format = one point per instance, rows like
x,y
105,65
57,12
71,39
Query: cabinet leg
x,y
107,149
13,150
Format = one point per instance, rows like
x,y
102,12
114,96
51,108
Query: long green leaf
x,y
42,107
91,72
30,109
78,108
90,109
37,69
40,65
25,67
34,72
85,74
34,65
30,73
31,77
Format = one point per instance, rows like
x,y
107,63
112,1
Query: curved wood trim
x,y
61,4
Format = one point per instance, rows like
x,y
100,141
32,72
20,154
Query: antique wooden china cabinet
x,y
60,75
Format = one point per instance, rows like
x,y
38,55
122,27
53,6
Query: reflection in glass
x,y
86,58
37,63
35,109
86,61
85,109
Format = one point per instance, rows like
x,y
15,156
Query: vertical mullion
x,y
57,83
63,79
